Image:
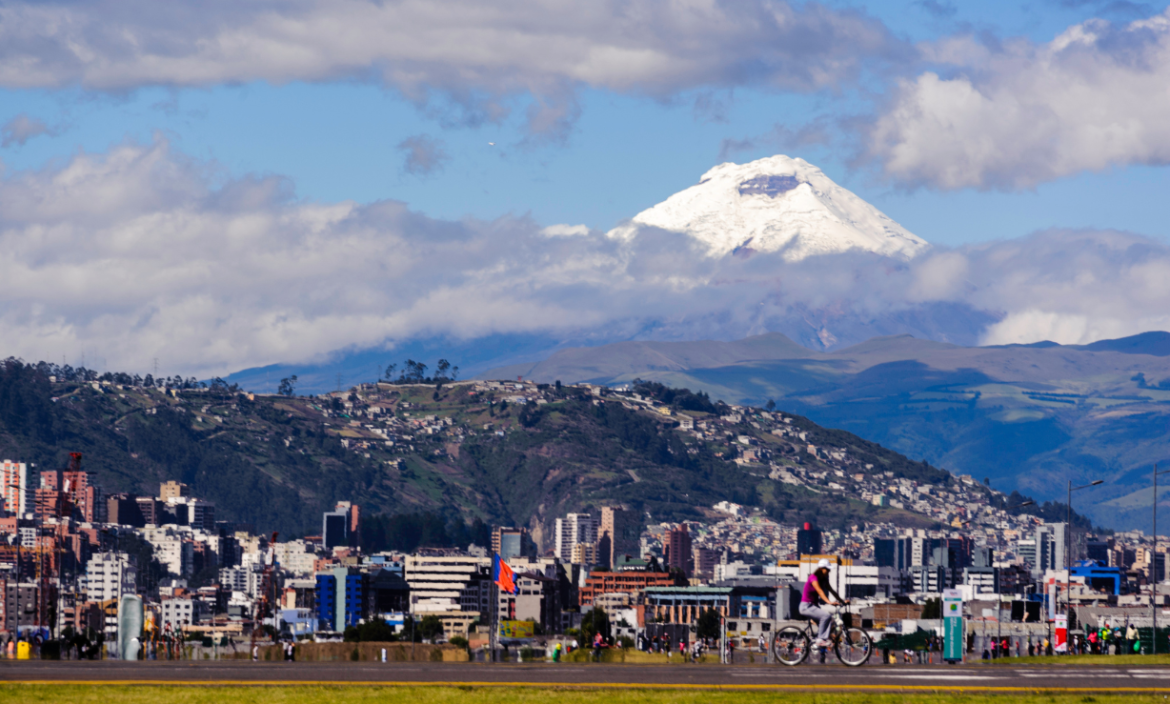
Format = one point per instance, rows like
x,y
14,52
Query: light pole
x,y
1154,569
998,593
17,541
1068,537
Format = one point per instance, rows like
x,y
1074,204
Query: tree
x,y
708,624
932,608
376,631
595,621
430,628
288,386
390,371
770,405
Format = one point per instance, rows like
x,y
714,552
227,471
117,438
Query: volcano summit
x,y
777,204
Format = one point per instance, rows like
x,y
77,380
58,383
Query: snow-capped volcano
x,y
775,204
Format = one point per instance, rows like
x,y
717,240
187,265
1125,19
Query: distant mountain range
x,y
1027,417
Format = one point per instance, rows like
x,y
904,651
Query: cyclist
x,y
814,595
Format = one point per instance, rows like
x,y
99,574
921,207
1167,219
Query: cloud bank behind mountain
x,y
142,253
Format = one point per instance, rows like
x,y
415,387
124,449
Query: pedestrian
x,y
763,643
1005,648
597,643
1131,636
255,653
682,648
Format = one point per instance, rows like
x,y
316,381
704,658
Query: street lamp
x,y
1154,569
998,592
1068,537
16,538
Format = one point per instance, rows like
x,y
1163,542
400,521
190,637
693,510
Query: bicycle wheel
x,y
853,647
790,646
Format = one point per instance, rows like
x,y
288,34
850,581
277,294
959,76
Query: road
x,y
810,677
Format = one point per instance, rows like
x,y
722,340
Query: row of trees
x,y
65,372
413,372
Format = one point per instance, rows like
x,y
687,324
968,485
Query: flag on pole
x,y
502,575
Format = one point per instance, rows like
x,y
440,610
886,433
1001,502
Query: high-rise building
x,y
123,510
705,561
808,540
571,530
678,550
510,543
1050,548
167,491
353,518
622,529
893,552
583,554
109,575
335,529
14,487
340,598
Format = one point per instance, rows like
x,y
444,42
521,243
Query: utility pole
x,y
1154,569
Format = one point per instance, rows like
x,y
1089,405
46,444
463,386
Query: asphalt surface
x,y
812,677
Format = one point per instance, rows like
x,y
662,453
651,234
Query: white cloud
x,y
20,129
476,53
1094,97
564,230
141,253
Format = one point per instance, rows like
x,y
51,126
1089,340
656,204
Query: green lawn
x,y
55,694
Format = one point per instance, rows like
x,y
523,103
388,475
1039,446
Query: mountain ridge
x,y
1027,416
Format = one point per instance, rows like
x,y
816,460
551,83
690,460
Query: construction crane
x,y
265,589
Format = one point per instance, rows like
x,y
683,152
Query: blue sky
x,y
338,140
966,123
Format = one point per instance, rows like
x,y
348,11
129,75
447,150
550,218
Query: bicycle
x,y
853,646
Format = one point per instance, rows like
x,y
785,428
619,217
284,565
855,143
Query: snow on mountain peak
x,y
775,204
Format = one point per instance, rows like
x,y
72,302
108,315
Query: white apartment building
x,y
296,557
234,579
444,584
109,575
574,529
200,514
179,612
172,548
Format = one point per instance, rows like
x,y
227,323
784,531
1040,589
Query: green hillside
x,y
1029,418
496,453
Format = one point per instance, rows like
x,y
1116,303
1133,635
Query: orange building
x,y
628,582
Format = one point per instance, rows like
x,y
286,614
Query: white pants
x,y
823,617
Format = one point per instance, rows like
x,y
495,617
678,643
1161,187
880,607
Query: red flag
x,y
502,575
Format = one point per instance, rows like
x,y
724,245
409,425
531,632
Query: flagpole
x,y
493,621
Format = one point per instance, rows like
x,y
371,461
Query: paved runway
x,y
811,677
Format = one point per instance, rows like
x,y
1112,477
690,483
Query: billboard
x,y
952,613
517,629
